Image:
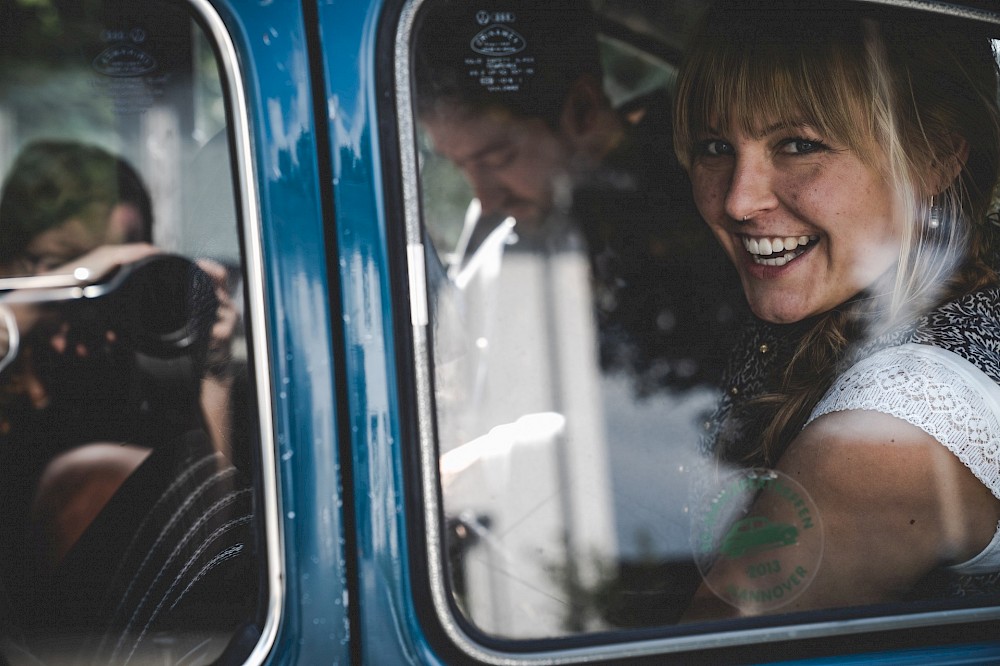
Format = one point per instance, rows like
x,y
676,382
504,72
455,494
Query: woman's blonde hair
x,y
914,98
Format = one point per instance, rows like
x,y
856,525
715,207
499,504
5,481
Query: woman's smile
x,y
777,250
806,222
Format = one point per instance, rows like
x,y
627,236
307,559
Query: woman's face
x,y
807,223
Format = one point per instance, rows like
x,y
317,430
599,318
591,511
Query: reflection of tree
x,y
40,29
581,613
459,538
445,197
50,85
667,298
627,594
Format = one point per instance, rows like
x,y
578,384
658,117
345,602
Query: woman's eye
x,y
715,147
799,146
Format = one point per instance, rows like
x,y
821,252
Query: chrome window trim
x,y
969,13
256,315
428,458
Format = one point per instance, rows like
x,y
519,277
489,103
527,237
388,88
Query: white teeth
x,y
775,261
761,248
766,246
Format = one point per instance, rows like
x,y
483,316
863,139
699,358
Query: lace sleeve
x,y
933,389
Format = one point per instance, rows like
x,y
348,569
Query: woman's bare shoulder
x,y
878,473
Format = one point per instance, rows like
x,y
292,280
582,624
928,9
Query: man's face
x,y
515,164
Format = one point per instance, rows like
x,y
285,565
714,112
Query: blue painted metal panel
x,y
390,632
271,42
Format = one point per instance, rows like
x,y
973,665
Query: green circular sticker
x,y
757,540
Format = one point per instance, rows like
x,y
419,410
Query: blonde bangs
x,y
724,90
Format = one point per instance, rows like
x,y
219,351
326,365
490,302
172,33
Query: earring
x,y
934,214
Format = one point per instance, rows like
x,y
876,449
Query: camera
x,y
135,351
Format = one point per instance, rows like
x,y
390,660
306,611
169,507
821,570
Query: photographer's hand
x,y
224,328
216,386
100,262
92,267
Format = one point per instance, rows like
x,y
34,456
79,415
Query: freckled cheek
x,y
709,197
801,190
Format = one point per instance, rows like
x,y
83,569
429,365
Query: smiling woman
x,y
845,158
761,192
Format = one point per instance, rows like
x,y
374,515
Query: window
x,y
588,274
127,415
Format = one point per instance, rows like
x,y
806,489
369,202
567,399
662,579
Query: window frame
x,y
235,76
257,321
238,120
816,633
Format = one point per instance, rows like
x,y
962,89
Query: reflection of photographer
x,y
112,376
142,335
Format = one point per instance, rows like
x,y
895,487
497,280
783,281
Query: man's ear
x,y
581,112
588,126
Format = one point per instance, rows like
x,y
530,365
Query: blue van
x,y
289,378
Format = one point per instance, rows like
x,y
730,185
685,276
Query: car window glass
x,y
570,383
127,432
581,318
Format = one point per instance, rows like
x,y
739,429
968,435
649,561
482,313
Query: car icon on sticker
x,y
757,533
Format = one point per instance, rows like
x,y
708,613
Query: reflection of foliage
x,y
667,298
459,538
627,594
47,30
445,197
630,73
583,603
55,102
208,88
666,22
50,87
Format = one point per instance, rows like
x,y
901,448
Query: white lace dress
x,y
944,395
941,373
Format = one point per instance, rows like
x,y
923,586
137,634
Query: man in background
x,y
582,265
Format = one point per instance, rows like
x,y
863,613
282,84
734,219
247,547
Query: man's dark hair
x,y
522,56
53,181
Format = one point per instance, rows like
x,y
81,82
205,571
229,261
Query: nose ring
x,y
744,218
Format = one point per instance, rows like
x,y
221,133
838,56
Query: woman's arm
x,y
894,503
